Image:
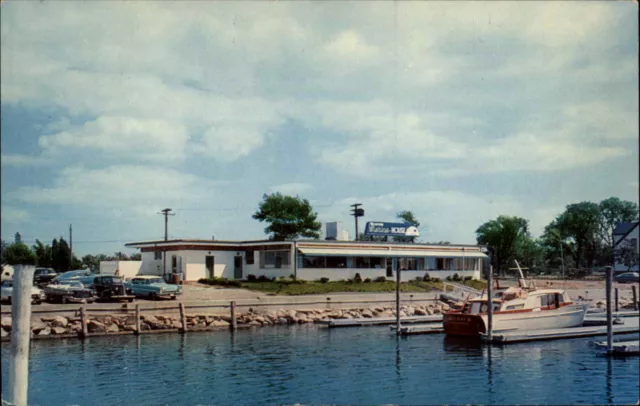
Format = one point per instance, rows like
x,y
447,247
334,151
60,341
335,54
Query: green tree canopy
x,y
43,254
288,217
19,253
504,236
614,211
580,223
627,254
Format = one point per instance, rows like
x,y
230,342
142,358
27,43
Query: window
x,y
362,262
157,255
313,262
515,307
336,262
411,264
249,258
543,300
444,264
274,259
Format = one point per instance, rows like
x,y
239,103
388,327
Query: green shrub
x,y
264,278
357,278
456,277
448,278
468,278
380,279
324,280
367,280
426,278
435,279
251,278
418,279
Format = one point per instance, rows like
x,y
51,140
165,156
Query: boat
x,y
70,291
516,308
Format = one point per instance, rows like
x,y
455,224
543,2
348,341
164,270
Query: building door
x,y
209,262
237,264
389,267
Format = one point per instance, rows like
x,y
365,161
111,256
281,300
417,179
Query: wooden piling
x,y
609,271
617,302
137,318
183,318
635,297
83,321
234,322
20,334
490,304
398,326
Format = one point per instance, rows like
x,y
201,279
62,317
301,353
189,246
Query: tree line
x,y
56,255
579,237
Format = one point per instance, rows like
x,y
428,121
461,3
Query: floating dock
x,y
622,347
631,325
421,329
379,321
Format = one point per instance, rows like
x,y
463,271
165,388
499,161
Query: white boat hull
x,y
566,316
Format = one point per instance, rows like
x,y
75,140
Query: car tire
x,y
9,300
131,300
153,296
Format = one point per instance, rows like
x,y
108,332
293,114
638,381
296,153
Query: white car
x,y
6,291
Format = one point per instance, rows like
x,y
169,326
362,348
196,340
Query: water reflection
x,y
609,380
467,345
489,357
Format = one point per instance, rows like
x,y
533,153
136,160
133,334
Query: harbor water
x,y
312,365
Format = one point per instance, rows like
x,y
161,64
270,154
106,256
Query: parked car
x,y
628,277
7,273
84,276
37,295
43,276
69,291
112,288
153,287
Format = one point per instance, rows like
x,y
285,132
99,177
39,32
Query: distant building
x,y
307,259
622,234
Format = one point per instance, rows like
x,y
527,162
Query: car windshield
x,y
73,274
156,280
7,284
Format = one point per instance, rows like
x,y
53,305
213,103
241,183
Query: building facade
x,y
307,259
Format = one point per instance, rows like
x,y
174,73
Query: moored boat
x,y
516,308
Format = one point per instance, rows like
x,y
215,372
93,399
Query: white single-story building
x,y
306,259
625,233
126,269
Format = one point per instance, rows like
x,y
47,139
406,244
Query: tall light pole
x,y
356,212
166,213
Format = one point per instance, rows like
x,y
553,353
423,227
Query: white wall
x,y
128,269
312,274
194,263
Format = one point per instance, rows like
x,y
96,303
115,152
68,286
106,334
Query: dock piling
x,y
183,318
398,301
634,292
137,318
20,334
83,322
490,304
609,271
234,322
617,302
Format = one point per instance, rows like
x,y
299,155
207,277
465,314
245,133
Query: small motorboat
x,y
69,291
516,308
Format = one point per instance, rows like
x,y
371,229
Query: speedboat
x,y
516,308
69,291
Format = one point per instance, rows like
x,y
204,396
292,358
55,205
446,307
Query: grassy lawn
x,y
293,288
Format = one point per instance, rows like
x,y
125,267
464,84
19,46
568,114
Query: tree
x,y
91,261
61,255
288,217
43,253
503,236
580,222
614,211
135,257
19,253
409,218
627,254
17,238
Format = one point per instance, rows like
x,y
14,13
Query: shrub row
x,y
220,282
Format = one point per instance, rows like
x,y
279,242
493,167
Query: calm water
x,y
307,364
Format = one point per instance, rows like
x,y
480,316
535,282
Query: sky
x,y
460,112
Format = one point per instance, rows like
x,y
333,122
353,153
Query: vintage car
x,y
628,277
83,276
69,291
43,276
153,287
6,289
112,288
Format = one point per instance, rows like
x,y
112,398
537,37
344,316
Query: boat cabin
x,y
516,299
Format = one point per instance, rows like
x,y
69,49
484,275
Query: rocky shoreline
x,y
64,327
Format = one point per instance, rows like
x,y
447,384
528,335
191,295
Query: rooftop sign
x,y
391,229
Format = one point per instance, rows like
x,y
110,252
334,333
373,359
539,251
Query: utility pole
x,y
70,247
166,213
356,212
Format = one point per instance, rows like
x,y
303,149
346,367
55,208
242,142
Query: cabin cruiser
x,y
516,308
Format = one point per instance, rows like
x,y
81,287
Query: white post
x,y
20,334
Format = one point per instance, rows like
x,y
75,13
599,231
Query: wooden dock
x,y
420,329
379,321
631,325
622,347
